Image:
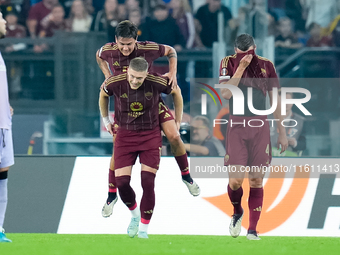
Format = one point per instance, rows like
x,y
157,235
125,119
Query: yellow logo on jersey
x,y
148,94
263,70
167,115
125,68
136,106
124,96
116,63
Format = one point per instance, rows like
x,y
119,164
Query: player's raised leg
x,y
235,193
128,196
177,148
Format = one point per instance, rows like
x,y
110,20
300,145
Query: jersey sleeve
x,y
104,51
151,50
161,83
273,79
225,70
112,83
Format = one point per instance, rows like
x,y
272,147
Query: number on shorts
x,y
267,149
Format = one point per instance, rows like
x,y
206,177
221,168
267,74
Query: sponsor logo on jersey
x,y
167,115
136,107
124,96
116,63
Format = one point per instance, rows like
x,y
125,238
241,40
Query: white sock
x,y
135,212
143,227
3,201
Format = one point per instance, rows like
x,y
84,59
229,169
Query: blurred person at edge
x,y
39,15
6,141
108,19
80,20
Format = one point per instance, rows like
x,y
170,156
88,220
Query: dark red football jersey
x,y
260,68
119,63
137,109
260,75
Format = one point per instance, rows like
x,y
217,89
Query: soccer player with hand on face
x,y
247,145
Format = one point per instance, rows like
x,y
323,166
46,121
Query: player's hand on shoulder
x,y
172,79
104,83
245,61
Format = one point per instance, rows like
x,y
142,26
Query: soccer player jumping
x,y
138,134
248,145
114,58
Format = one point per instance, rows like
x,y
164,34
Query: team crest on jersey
x,y
224,71
136,107
125,68
148,95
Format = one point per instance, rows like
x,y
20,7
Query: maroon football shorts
x,y
164,112
248,145
146,144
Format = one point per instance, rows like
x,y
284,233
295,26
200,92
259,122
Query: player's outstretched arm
x,y
104,110
171,53
178,104
103,65
235,79
197,149
282,139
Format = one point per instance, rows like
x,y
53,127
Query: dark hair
x,y
126,29
160,7
139,64
204,119
244,41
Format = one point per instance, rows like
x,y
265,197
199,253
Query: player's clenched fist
x,y
108,124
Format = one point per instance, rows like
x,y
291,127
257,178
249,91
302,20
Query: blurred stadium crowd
x,y
293,23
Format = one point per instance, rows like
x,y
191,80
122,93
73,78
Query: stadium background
x,y
54,95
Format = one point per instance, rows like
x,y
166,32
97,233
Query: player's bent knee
x,y
174,138
148,180
123,181
255,182
235,183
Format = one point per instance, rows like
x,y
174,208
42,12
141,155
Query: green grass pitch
x,y
48,244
